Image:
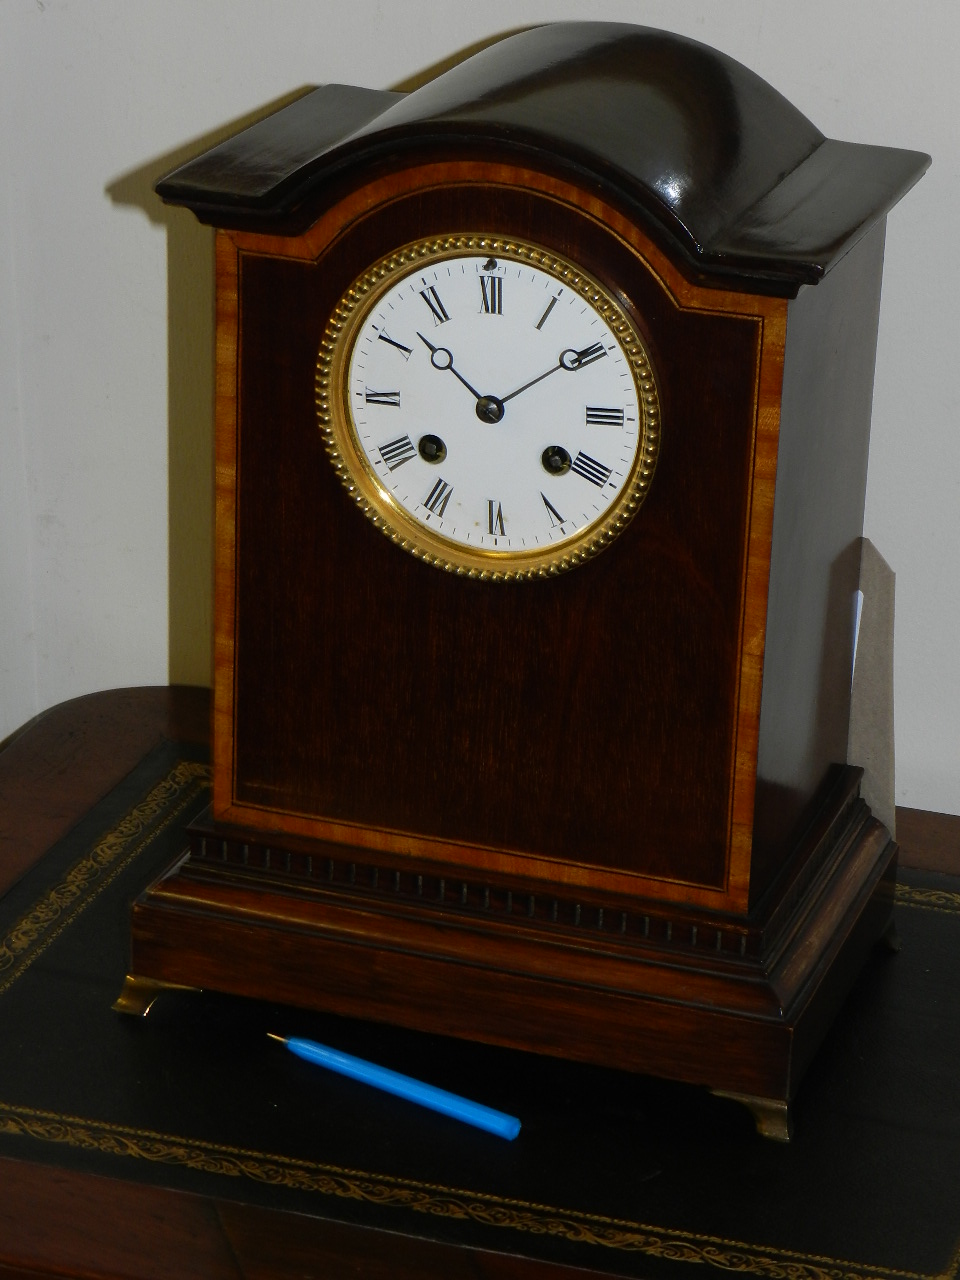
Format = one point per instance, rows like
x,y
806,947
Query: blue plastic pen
x,y
427,1095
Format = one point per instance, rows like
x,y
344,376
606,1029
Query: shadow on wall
x,y
190,381
190,399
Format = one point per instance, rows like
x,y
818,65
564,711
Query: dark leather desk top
x,y
61,1217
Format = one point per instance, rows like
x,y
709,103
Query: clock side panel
x,y
588,720
815,562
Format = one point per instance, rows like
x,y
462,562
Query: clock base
x,y
736,1003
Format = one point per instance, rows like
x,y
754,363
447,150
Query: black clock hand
x,y
532,383
570,360
441,358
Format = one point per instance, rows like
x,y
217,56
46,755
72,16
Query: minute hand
x,y
570,360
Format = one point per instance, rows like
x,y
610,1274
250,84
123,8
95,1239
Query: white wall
x,y
97,97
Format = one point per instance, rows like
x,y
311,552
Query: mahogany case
x,y
608,815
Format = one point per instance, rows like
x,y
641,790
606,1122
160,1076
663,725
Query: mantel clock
x,y
543,403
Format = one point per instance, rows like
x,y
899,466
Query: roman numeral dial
x,y
436,500
491,406
388,398
590,469
404,350
395,453
491,294
597,417
434,305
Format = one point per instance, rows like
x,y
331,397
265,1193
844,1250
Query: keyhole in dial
x,y
555,460
431,449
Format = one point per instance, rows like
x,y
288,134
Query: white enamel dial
x,y
494,407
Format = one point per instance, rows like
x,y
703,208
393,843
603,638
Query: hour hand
x,y
441,358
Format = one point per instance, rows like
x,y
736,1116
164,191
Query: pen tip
x,y
282,1039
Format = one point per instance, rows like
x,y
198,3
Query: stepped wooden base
x,y
736,1004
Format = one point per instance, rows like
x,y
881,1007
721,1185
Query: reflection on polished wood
x,y
929,841
67,758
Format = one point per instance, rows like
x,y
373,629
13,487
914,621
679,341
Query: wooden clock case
x,y
608,814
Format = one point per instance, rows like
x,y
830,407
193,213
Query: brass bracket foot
x,y
138,994
771,1115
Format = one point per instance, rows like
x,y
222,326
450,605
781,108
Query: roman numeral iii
x,y
597,417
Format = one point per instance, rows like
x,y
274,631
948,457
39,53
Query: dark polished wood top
x,y
709,156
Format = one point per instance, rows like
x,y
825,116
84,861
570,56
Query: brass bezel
x,y
361,482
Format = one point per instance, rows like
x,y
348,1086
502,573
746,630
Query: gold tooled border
x,y
942,900
445,1202
83,883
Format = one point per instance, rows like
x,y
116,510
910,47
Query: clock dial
x,y
489,406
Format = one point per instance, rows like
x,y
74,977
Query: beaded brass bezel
x,y
357,474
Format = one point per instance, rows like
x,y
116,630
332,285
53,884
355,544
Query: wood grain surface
x,y
558,694
59,1223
